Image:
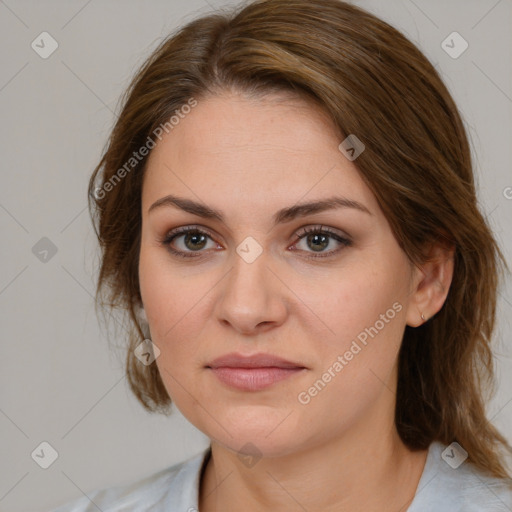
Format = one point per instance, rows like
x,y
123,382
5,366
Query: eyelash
x,y
169,238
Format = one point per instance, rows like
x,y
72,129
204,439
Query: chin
x,y
267,439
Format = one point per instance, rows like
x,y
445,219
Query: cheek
x,y
166,293
356,366
347,301
364,312
175,303
164,297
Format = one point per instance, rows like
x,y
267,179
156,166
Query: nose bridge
x,y
249,273
250,295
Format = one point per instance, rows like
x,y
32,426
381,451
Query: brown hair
x,y
374,83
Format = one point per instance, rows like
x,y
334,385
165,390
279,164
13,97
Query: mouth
x,y
253,373
253,379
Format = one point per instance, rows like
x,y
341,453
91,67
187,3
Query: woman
x,y
287,212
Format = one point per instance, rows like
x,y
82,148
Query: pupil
x,y
317,237
193,236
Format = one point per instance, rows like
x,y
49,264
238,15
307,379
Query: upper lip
x,y
261,360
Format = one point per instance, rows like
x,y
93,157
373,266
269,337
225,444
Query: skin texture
x,y
340,451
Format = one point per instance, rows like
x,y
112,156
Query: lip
x,y
260,360
255,372
253,379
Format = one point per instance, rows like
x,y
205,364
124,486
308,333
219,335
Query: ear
x,y
430,283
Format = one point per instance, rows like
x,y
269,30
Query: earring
x,y
423,317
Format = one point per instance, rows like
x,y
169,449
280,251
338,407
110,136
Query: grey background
x,y
58,380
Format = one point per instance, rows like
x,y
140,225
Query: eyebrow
x,y
284,215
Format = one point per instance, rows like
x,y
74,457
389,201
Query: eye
x,y
319,238
193,241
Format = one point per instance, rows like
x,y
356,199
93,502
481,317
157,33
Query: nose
x,y
252,299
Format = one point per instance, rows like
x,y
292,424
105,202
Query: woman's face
x,y
251,283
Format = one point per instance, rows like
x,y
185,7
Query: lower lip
x,y
253,379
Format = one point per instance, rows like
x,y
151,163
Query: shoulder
x,y
173,488
450,484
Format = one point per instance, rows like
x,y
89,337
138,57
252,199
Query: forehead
x,y
271,148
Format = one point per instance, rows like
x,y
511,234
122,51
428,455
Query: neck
x,y
356,472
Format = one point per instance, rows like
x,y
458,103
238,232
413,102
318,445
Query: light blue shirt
x,y
442,488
